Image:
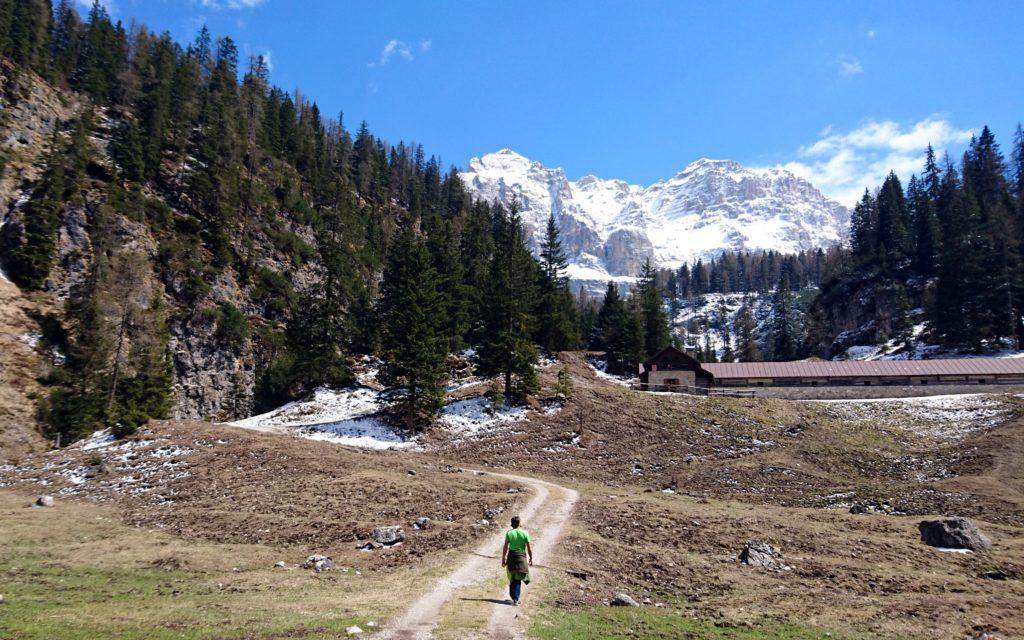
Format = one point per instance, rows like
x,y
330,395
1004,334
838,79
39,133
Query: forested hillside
x,y
200,243
220,246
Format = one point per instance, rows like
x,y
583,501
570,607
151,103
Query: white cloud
x,y
870,34
849,66
400,49
842,165
231,4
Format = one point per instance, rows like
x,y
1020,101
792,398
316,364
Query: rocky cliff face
x,y
610,227
212,380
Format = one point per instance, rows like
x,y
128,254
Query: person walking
x,y
517,558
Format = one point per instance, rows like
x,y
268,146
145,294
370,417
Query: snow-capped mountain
x,y
609,227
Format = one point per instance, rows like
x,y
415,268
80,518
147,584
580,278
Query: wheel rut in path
x,y
544,516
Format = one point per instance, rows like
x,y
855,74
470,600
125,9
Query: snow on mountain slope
x,y
610,227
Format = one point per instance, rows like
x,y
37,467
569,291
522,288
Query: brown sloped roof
x,y
865,368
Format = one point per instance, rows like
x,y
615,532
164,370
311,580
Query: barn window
x,y
981,381
924,382
867,383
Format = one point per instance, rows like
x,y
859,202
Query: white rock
x,y
353,630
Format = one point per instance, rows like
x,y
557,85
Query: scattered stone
x,y
422,523
1,598
280,564
353,630
319,563
485,522
370,546
862,508
388,536
44,501
647,601
411,472
994,575
953,533
371,623
981,635
758,553
490,514
623,600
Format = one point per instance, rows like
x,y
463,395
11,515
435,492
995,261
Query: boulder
x,y
387,536
953,533
422,523
758,553
319,563
623,600
44,501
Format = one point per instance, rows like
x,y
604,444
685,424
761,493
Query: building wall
x,y
880,391
685,378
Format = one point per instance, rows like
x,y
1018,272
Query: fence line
x,y
694,391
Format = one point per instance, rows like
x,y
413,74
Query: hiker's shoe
x,y
515,603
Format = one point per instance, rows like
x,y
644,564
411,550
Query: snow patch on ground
x,y
600,366
348,416
475,415
949,417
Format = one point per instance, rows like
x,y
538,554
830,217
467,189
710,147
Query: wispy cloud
x,y
232,4
399,49
850,65
870,34
842,165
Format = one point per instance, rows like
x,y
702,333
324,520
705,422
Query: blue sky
x,y
839,92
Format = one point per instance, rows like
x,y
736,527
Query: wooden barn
x,y
672,369
814,373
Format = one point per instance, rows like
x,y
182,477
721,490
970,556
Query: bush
x,y
232,326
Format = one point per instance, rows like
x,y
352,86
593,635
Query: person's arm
x,y
529,551
504,553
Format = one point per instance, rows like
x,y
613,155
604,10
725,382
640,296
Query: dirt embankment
x,y
226,484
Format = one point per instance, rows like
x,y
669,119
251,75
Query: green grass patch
x,y
608,623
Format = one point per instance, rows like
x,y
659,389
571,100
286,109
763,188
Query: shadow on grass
x,y
491,600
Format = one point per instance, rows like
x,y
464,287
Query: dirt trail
x,y
544,516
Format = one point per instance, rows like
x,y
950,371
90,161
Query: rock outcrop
x,y
954,533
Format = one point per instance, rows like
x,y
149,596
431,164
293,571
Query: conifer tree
x,y
414,338
784,333
891,232
557,323
925,226
725,334
505,347
652,309
36,253
746,334
863,227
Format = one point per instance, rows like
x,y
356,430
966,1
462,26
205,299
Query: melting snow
x,y
347,416
600,368
478,414
946,417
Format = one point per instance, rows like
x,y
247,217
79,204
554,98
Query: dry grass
x,y
76,571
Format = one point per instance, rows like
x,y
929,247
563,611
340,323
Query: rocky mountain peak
x,y
611,227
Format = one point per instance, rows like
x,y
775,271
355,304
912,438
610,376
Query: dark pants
x,y
515,589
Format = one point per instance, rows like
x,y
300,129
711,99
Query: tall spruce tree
x,y
414,338
505,345
746,334
557,322
785,335
652,310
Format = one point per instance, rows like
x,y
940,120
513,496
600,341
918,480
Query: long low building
x,y
674,368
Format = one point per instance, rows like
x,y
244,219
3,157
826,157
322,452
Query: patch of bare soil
x,y
230,485
855,573
760,450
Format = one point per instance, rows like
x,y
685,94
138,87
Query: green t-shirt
x,y
517,539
